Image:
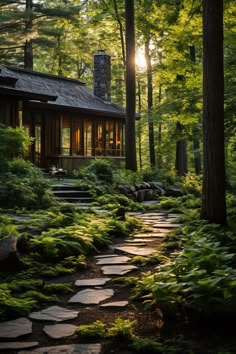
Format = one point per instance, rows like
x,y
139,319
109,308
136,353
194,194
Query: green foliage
x,y
56,270
38,296
26,284
8,230
115,201
200,277
128,177
122,329
58,288
146,345
10,305
14,143
24,186
92,331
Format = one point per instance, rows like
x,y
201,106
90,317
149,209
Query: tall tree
x,y
131,162
213,194
150,102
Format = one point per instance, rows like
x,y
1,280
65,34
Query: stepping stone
x,y
166,225
106,256
92,282
116,304
54,313
154,215
94,348
17,345
134,242
15,328
137,251
60,330
92,296
151,234
113,260
143,240
118,269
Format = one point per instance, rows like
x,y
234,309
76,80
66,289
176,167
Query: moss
x,y
58,288
95,330
55,271
38,296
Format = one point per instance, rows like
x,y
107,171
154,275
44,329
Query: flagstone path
x,y
98,295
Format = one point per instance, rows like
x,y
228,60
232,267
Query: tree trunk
x,y
181,153
150,104
139,128
196,152
159,140
28,48
131,162
213,194
195,132
121,32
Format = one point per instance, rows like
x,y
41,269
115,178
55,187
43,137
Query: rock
x,y
92,282
120,213
9,258
137,251
92,296
116,304
166,225
54,313
17,345
141,195
113,260
106,256
118,269
94,348
156,184
174,192
124,189
149,194
60,330
15,328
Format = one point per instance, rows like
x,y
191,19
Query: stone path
x,y
97,291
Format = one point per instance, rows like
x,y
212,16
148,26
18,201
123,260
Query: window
x,y
65,136
110,148
76,142
99,141
87,138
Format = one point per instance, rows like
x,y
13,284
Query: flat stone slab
x,y
92,282
118,269
113,260
150,234
17,345
145,240
166,225
106,256
94,348
60,330
15,328
92,296
137,251
150,215
116,304
54,313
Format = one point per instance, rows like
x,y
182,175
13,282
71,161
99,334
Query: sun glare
x,y
140,58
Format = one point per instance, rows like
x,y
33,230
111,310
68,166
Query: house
x,y
69,123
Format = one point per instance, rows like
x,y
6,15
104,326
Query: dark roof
x,y
55,90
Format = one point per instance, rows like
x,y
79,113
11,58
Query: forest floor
x,y
119,258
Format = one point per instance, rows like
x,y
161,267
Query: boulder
x,y
173,191
9,257
149,194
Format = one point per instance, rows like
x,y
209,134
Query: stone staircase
x,y
72,194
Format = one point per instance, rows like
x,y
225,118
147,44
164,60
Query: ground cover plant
x,y
64,239
199,276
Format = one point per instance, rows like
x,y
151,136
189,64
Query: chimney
x,y
102,75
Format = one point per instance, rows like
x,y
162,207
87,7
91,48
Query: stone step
x,y
77,199
71,193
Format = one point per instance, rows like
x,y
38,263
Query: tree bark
x,y
159,139
195,132
181,153
150,103
213,194
131,162
121,32
28,48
